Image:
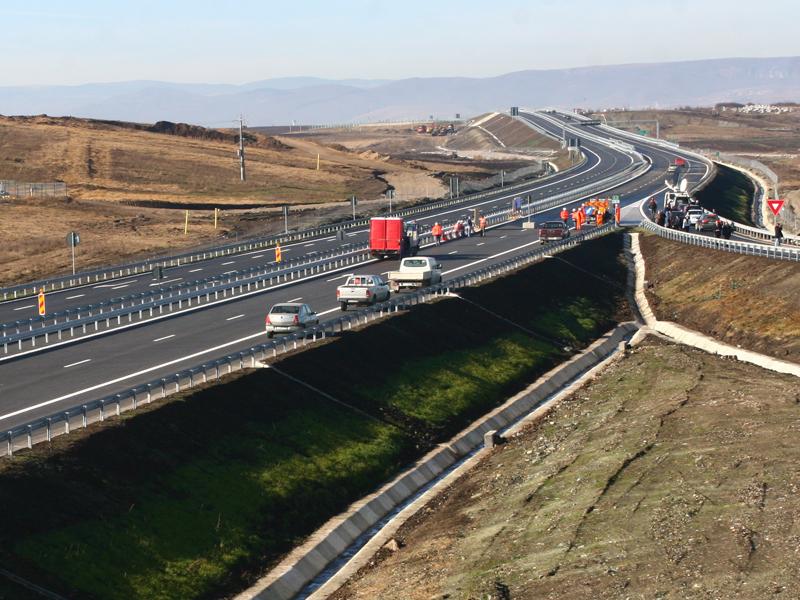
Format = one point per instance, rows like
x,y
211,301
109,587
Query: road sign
x,y
278,253
775,206
73,239
42,309
615,199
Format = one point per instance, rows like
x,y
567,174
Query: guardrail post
x,y
66,421
30,436
10,443
49,429
85,418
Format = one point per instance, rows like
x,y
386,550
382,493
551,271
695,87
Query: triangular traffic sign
x,y
775,206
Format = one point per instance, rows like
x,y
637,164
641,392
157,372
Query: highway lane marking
x,y
257,256
339,277
166,337
229,272
453,252
186,311
75,364
476,262
142,372
166,281
235,317
230,262
502,237
295,299
309,245
351,234
195,270
75,296
119,287
481,244
26,306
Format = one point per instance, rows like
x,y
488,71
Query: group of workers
x,y
461,228
593,210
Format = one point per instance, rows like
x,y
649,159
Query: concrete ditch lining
x,y
683,335
306,562
291,576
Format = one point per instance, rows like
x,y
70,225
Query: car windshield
x,y
553,225
285,309
415,262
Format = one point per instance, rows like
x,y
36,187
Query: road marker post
x,y
186,224
278,253
42,309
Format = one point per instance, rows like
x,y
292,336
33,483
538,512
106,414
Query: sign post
x,y
42,309
73,239
285,218
617,209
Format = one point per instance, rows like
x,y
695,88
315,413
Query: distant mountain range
x,y
311,100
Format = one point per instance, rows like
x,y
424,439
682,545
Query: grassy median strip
x,y
730,195
196,497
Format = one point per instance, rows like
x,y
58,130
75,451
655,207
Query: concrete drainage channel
x,y
310,571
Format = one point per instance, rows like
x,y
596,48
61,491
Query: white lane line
x,y
319,314
308,245
339,277
119,287
26,306
351,234
295,299
195,270
502,237
75,296
166,337
188,310
75,364
476,262
230,262
235,317
257,256
481,244
166,281
229,272
453,252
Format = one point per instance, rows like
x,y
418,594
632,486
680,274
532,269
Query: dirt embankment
x,y
742,300
674,475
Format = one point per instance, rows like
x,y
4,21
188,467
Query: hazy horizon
x,y
92,41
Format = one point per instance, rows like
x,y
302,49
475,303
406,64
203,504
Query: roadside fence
x,y
83,415
27,189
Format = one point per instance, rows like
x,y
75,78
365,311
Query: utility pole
x,y
241,148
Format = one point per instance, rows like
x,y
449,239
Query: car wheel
x,y
343,306
270,334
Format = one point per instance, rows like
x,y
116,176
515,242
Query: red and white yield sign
x,y
775,206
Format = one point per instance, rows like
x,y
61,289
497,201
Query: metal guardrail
x,y
115,272
81,416
152,305
748,248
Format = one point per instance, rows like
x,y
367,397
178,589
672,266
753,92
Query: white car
x,y
288,317
695,214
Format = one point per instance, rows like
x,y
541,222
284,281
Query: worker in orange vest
x,y
482,225
436,231
600,214
564,215
617,214
576,216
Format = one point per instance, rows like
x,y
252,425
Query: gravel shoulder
x,y
672,475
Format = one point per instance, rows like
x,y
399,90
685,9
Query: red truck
x,y
392,237
553,231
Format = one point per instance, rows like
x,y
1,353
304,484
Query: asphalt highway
x,y
56,379
600,162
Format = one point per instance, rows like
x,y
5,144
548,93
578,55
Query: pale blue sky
x,y
78,41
